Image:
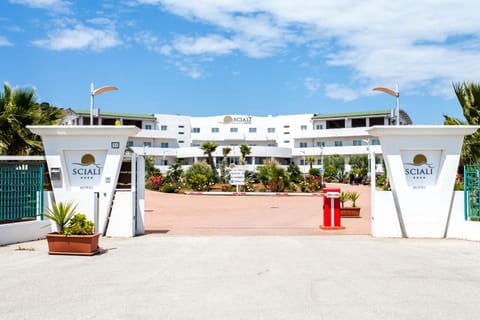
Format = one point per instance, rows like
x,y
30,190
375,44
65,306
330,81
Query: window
x,y
181,132
286,141
163,127
181,126
234,129
286,126
361,122
195,144
271,145
164,145
129,143
320,144
303,144
148,127
271,130
252,130
375,142
215,130
357,142
319,126
181,141
286,132
336,124
338,143
147,144
303,127
195,130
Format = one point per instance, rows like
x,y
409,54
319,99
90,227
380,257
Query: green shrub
x,y
294,173
200,177
344,196
79,225
353,196
273,177
169,188
314,172
61,213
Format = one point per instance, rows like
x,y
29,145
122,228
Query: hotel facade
x,y
285,138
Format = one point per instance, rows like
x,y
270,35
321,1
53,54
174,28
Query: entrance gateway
x,y
422,164
84,165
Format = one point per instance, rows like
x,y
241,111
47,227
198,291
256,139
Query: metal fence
x,y
471,180
21,190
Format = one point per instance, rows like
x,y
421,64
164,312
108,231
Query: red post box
x,y
331,209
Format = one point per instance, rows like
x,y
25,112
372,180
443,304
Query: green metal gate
x,y
471,180
21,190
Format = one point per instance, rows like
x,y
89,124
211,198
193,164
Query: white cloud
x,y
339,92
192,70
312,84
419,44
79,38
5,42
56,5
211,44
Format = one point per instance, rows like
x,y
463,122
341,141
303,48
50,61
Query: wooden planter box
x,y
350,212
86,245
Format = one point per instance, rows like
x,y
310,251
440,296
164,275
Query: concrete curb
x,y
218,193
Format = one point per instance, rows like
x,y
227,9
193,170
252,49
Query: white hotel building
x,y
286,138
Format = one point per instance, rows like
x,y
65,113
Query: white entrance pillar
x,y
421,164
84,164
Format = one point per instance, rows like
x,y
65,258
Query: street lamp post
x,y
96,92
395,94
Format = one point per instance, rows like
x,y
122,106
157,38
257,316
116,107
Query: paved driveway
x,y
244,277
180,214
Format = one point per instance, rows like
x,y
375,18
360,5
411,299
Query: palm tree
x,y
245,151
225,152
310,160
18,108
468,95
208,148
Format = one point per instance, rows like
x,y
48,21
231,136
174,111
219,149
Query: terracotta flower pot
x,y
86,245
350,212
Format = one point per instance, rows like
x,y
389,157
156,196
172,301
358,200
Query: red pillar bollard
x,y
331,209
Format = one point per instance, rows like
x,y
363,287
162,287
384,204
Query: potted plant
x,y
343,198
352,211
75,234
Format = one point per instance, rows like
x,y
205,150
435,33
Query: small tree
x,y
208,148
173,181
150,169
245,151
225,152
310,160
294,173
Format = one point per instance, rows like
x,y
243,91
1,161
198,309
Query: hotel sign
x,y
421,167
85,168
237,120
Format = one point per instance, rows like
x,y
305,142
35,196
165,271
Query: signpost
x,y
237,177
322,173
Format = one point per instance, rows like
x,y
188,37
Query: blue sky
x,y
254,57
